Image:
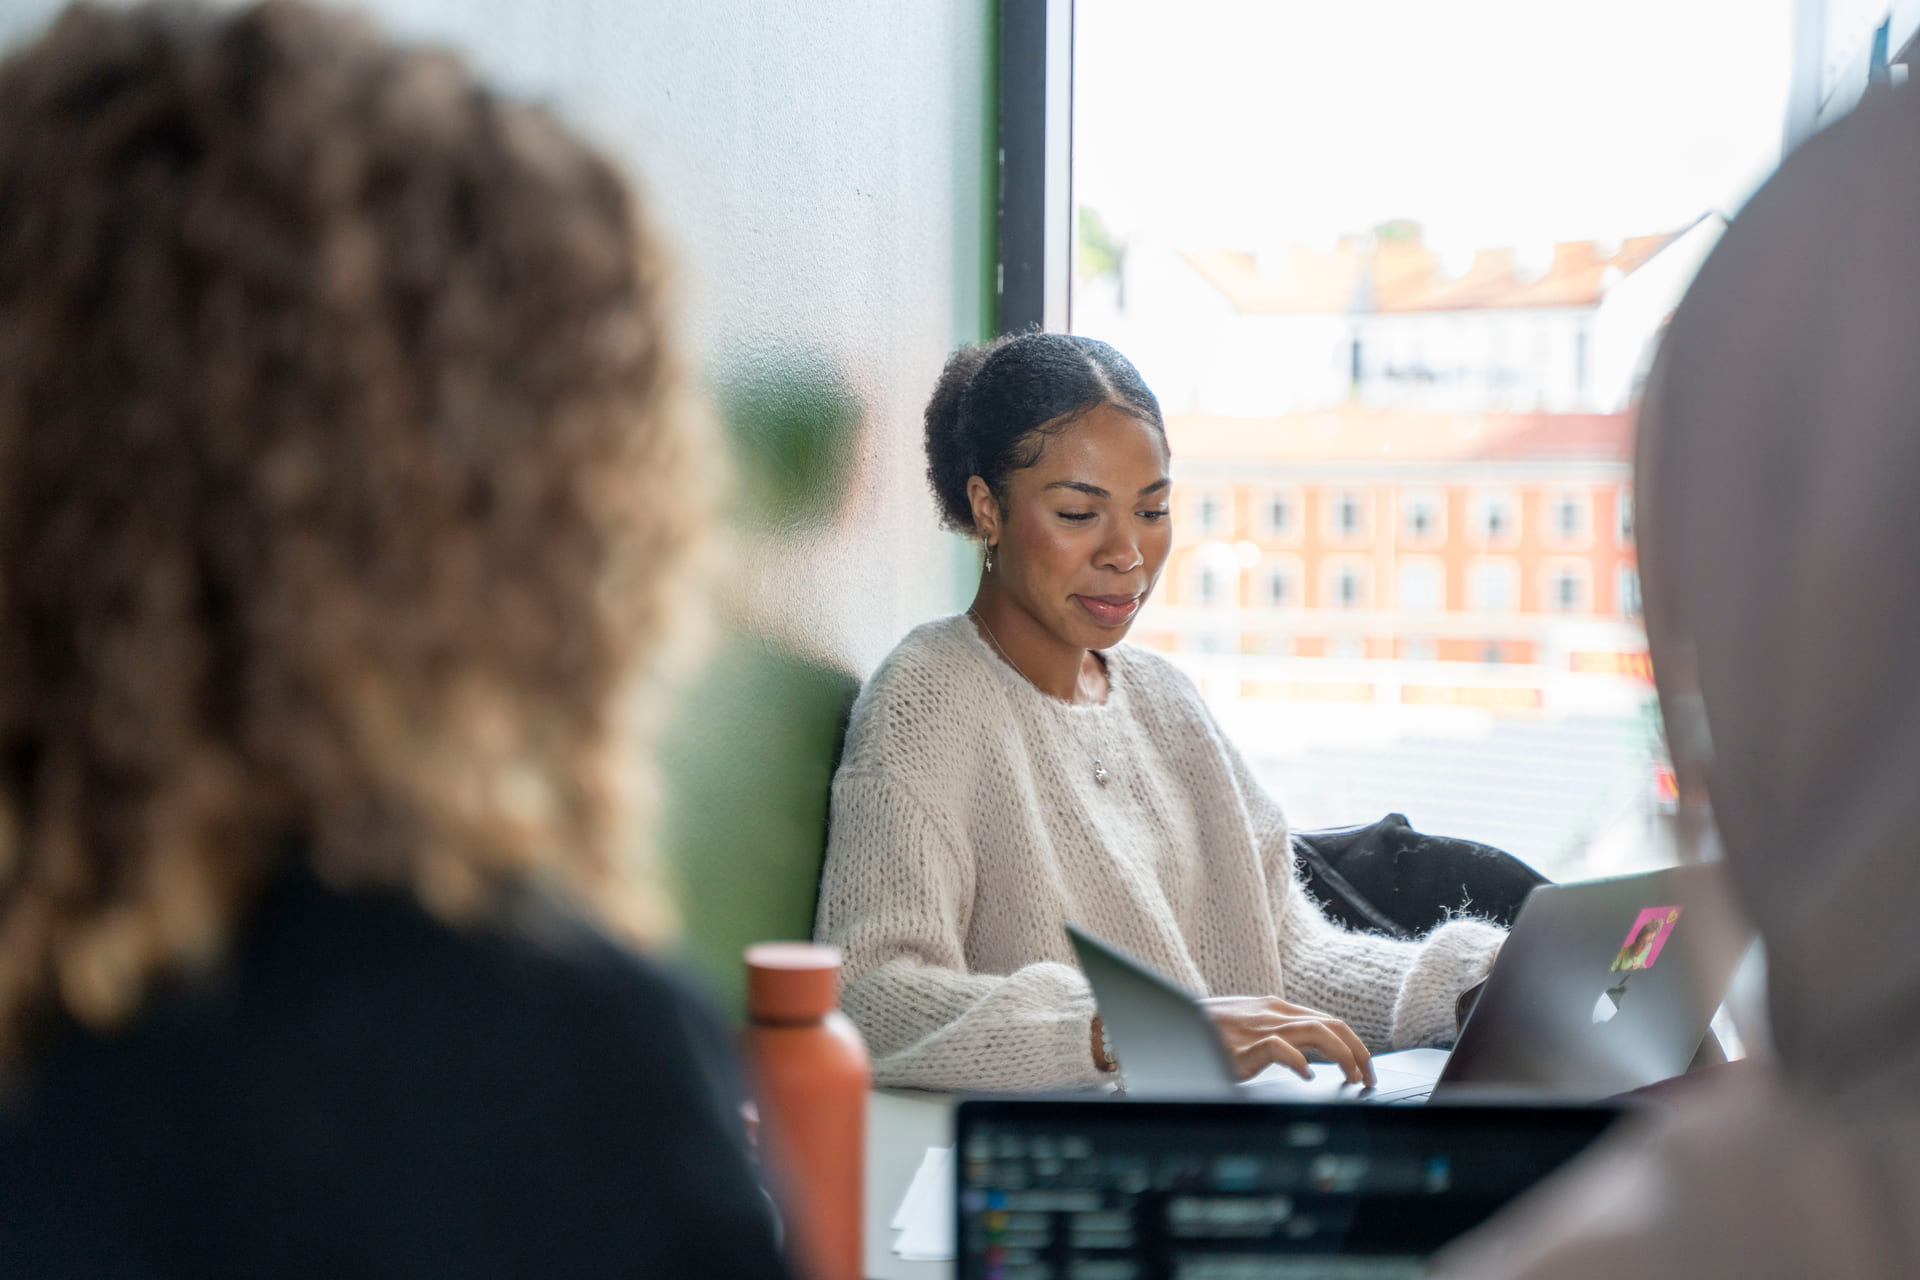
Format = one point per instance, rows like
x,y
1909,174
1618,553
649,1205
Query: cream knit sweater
x,y
967,827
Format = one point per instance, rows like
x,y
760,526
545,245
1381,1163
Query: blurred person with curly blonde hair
x,y
345,493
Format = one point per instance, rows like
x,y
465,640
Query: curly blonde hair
x,y
345,491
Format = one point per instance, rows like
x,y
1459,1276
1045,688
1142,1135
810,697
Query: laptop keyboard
x,y
1407,1076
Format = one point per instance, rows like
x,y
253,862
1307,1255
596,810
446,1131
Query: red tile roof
x,y
1404,276
1356,433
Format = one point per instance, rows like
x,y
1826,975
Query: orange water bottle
x,y
810,1076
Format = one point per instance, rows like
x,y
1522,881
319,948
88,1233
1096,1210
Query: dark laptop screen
x,y
1110,1190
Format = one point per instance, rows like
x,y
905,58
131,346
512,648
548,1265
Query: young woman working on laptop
x,y
1014,768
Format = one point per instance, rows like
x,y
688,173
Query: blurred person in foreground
x,y
1778,468
345,489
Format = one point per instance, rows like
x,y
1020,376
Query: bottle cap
x,y
791,981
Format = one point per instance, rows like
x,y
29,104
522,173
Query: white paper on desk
x,y
925,1216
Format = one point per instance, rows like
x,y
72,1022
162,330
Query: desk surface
x,y
901,1125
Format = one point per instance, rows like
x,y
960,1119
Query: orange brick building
x,y
1369,534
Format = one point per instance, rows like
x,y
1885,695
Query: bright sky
x,y
1492,122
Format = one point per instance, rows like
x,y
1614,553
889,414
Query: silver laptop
x,y
1603,986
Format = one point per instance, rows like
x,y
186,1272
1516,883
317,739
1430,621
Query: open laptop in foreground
x,y
1603,986
1229,1191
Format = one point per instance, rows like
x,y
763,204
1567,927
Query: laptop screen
x,y
1116,1190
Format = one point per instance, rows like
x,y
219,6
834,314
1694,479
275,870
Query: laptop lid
x,y
1169,1045
1205,1190
1604,985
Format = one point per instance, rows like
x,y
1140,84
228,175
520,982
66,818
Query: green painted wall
x,y
825,173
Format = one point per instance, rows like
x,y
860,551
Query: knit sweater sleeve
x,y
1395,994
895,896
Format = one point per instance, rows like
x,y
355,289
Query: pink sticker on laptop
x,y
1645,939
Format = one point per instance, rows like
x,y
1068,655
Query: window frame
x,y
1551,532
1205,573
1510,569
1295,501
1034,218
1437,536
1279,564
1552,573
1335,566
1623,574
1432,564
1336,497
1477,502
1223,505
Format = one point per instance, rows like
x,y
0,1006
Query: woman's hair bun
x,y
996,402
949,461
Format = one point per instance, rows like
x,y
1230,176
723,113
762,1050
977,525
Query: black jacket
x,y
367,1092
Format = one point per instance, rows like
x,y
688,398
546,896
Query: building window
x,y
1624,521
1567,517
1277,515
1493,586
1347,516
1210,592
1422,516
1417,649
1423,586
1347,647
1491,652
1496,517
1627,590
1213,515
1346,583
1276,587
1567,589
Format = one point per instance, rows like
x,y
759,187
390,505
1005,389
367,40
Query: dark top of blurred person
x,y
1777,473
345,490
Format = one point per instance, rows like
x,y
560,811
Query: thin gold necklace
x,y
1100,774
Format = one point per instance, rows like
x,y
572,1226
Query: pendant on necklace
x,y
1100,774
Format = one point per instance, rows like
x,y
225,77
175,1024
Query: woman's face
x,y
1086,529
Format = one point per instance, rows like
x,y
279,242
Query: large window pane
x,y
1396,271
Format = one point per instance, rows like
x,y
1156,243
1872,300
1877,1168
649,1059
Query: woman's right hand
x,y
1261,1030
